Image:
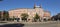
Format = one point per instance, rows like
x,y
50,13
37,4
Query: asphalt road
x,y
53,24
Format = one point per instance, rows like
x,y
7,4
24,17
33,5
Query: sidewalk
x,y
34,22
30,22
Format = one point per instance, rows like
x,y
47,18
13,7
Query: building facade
x,y
30,11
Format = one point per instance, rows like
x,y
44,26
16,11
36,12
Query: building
x,y
30,11
4,14
47,15
1,14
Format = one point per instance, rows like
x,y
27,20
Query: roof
x,y
20,8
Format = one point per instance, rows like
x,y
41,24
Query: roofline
x,y
20,8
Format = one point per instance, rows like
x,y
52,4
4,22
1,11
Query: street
x,y
54,24
50,24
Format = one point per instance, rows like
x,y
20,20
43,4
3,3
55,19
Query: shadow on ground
x,y
12,25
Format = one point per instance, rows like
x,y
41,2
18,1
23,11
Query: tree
x,y
56,17
0,14
36,17
5,15
1,0
24,16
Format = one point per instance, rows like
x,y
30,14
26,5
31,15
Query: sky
x,y
50,5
